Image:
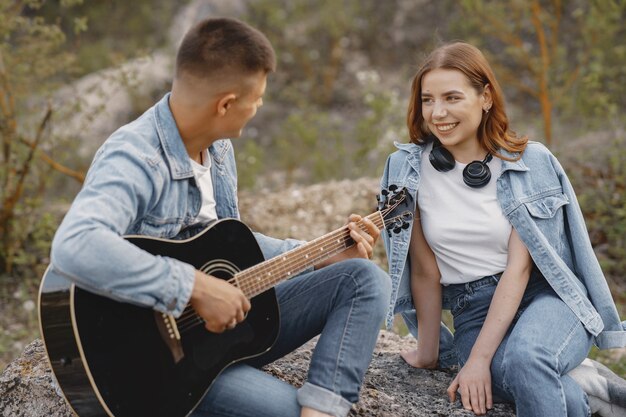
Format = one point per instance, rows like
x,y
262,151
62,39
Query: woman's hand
x,y
474,384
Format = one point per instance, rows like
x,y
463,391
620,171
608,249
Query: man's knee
x,y
372,277
372,282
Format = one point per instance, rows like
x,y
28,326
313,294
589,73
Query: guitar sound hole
x,y
220,268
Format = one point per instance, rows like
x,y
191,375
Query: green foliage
x,y
313,41
32,62
338,118
599,94
312,145
116,29
598,174
31,48
250,163
568,57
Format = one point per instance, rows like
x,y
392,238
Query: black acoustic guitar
x,y
117,359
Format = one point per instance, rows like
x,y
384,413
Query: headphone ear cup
x,y
476,174
440,158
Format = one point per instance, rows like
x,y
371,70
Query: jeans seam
x,y
566,343
313,287
345,330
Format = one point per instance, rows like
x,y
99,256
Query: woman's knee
x,y
524,366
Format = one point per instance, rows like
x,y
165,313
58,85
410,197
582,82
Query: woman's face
x,y
452,108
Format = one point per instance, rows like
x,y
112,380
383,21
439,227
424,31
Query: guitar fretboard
x,y
263,276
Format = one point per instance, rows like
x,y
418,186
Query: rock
x,y
27,387
391,388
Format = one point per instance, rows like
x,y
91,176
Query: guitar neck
x,y
263,276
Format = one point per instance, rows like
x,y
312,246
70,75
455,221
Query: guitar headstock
x,y
396,207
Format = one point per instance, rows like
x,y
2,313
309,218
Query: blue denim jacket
x,y
141,182
537,198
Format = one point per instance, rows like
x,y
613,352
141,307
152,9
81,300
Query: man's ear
x,y
224,103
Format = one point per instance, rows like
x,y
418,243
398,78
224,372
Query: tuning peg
x,y
393,187
405,225
384,192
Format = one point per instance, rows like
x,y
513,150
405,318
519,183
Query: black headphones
x,y
476,174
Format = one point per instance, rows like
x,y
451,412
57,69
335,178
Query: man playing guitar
x,y
168,175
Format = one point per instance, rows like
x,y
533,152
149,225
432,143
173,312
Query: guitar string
x,y
244,279
290,263
339,240
241,281
191,319
275,272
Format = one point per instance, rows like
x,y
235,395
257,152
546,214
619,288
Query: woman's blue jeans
x,y
345,304
545,341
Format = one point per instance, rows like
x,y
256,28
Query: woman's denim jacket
x,y
538,200
141,182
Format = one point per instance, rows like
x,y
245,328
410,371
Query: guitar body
x,y
110,358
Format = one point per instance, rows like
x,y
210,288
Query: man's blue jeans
x,y
345,304
545,341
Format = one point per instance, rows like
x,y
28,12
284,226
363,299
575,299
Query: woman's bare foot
x,y
411,357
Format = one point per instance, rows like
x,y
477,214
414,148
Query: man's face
x,y
243,108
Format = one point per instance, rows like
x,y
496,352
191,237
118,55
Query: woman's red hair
x,y
493,133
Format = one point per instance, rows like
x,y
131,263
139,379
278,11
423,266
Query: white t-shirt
x,y
464,226
205,183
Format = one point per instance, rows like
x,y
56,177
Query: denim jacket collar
x,y
518,165
173,146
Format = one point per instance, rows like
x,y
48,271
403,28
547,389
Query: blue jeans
x,y
345,304
545,341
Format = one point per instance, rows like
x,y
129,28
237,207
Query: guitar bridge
x,y
170,334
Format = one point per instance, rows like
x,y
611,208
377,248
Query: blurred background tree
x,y
559,53
33,62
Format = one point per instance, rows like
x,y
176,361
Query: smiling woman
x,y
507,254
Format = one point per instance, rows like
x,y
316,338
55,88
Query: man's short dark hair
x,y
218,44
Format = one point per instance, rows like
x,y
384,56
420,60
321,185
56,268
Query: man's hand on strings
x,y
220,304
365,235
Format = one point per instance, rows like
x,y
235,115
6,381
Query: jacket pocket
x,y
546,207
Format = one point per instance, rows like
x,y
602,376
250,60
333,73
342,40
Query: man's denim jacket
x,y
141,182
538,200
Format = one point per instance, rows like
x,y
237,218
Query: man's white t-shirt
x,y
202,173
